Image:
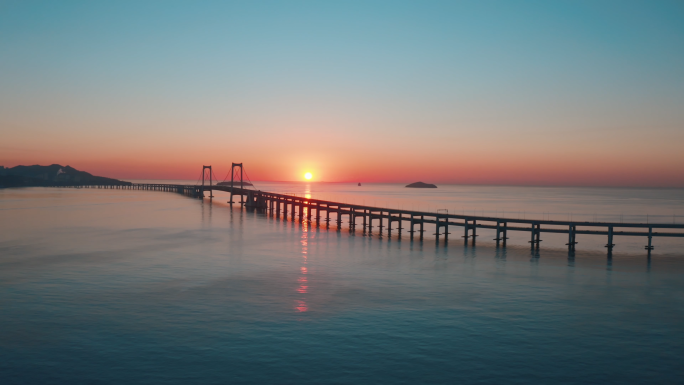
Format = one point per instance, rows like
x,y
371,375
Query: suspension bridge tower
x,y
207,174
234,177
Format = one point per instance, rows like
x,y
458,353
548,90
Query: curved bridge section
x,y
381,222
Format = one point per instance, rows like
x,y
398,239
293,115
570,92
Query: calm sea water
x,y
139,287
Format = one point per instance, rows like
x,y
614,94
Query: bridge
x,y
380,222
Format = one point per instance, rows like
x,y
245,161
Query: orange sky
x,y
470,161
455,92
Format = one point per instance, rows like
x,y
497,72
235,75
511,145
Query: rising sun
x,y
308,176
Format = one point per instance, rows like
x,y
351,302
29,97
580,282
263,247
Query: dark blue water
x,y
136,287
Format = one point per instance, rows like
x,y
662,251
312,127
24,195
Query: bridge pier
x,y
381,218
505,233
498,233
465,232
535,235
352,220
538,236
650,247
474,235
370,224
610,243
501,234
571,238
422,222
339,219
412,227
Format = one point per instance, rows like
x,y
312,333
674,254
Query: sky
x,y
576,93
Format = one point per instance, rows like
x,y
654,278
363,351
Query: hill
x,y
53,175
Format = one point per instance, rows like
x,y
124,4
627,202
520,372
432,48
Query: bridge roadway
x,y
382,219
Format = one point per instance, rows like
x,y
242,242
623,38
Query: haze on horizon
x,y
481,92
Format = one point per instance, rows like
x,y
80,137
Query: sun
x,y
308,176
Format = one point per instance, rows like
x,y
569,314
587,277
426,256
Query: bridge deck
x,y
385,217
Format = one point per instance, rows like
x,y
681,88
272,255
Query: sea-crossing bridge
x,y
379,221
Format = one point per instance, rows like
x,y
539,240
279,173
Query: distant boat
x,y
421,185
235,184
359,183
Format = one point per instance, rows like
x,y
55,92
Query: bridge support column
x,y
422,222
370,225
339,218
571,238
352,219
365,215
380,218
474,231
465,232
650,247
610,243
498,233
412,227
536,233
505,233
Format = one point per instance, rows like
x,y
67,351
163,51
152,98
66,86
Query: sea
x,y
102,286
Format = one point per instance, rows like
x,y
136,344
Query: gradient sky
x,y
491,92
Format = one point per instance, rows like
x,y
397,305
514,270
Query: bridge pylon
x,y
233,181
209,176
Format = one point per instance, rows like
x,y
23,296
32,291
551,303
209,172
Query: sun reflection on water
x,y
303,280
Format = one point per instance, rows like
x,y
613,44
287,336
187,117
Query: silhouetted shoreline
x,y
53,175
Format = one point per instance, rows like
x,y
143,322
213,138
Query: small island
x,y
235,184
421,185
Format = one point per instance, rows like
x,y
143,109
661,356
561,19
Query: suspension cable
x,y
250,181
